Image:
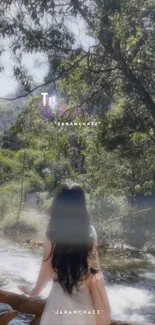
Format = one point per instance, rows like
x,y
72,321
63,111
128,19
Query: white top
x,y
65,309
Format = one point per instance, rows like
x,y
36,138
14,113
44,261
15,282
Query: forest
x,y
100,131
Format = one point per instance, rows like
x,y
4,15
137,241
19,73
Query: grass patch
x,y
18,228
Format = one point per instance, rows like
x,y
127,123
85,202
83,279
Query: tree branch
x,y
61,75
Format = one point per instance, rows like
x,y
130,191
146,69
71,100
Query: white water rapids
x,y
129,302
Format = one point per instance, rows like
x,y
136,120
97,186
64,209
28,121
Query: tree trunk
x,y
144,95
6,318
22,187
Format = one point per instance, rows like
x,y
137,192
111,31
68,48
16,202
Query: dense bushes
x,y
9,169
108,214
9,200
110,165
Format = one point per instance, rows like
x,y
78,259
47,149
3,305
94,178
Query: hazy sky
x,y
7,81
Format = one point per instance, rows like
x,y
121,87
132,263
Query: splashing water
x,y
129,302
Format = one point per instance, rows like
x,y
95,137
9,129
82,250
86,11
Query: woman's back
x,y
68,309
63,308
69,250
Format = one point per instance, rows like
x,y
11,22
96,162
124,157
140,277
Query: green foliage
x,y
113,82
45,201
9,199
108,213
56,173
9,169
36,183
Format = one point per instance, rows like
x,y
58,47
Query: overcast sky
x,y
7,82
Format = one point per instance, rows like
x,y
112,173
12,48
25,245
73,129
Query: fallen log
x,y
7,317
35,306
22,303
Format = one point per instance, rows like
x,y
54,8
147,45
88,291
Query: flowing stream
x,y
130,281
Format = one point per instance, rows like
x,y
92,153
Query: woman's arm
x,y
97,288
99,294
94,257
46,272
100,300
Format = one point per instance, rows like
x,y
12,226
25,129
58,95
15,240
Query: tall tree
x,y
120,65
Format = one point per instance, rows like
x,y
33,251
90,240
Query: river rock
x,y
124,276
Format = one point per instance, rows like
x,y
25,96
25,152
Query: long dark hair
x,y
69,232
